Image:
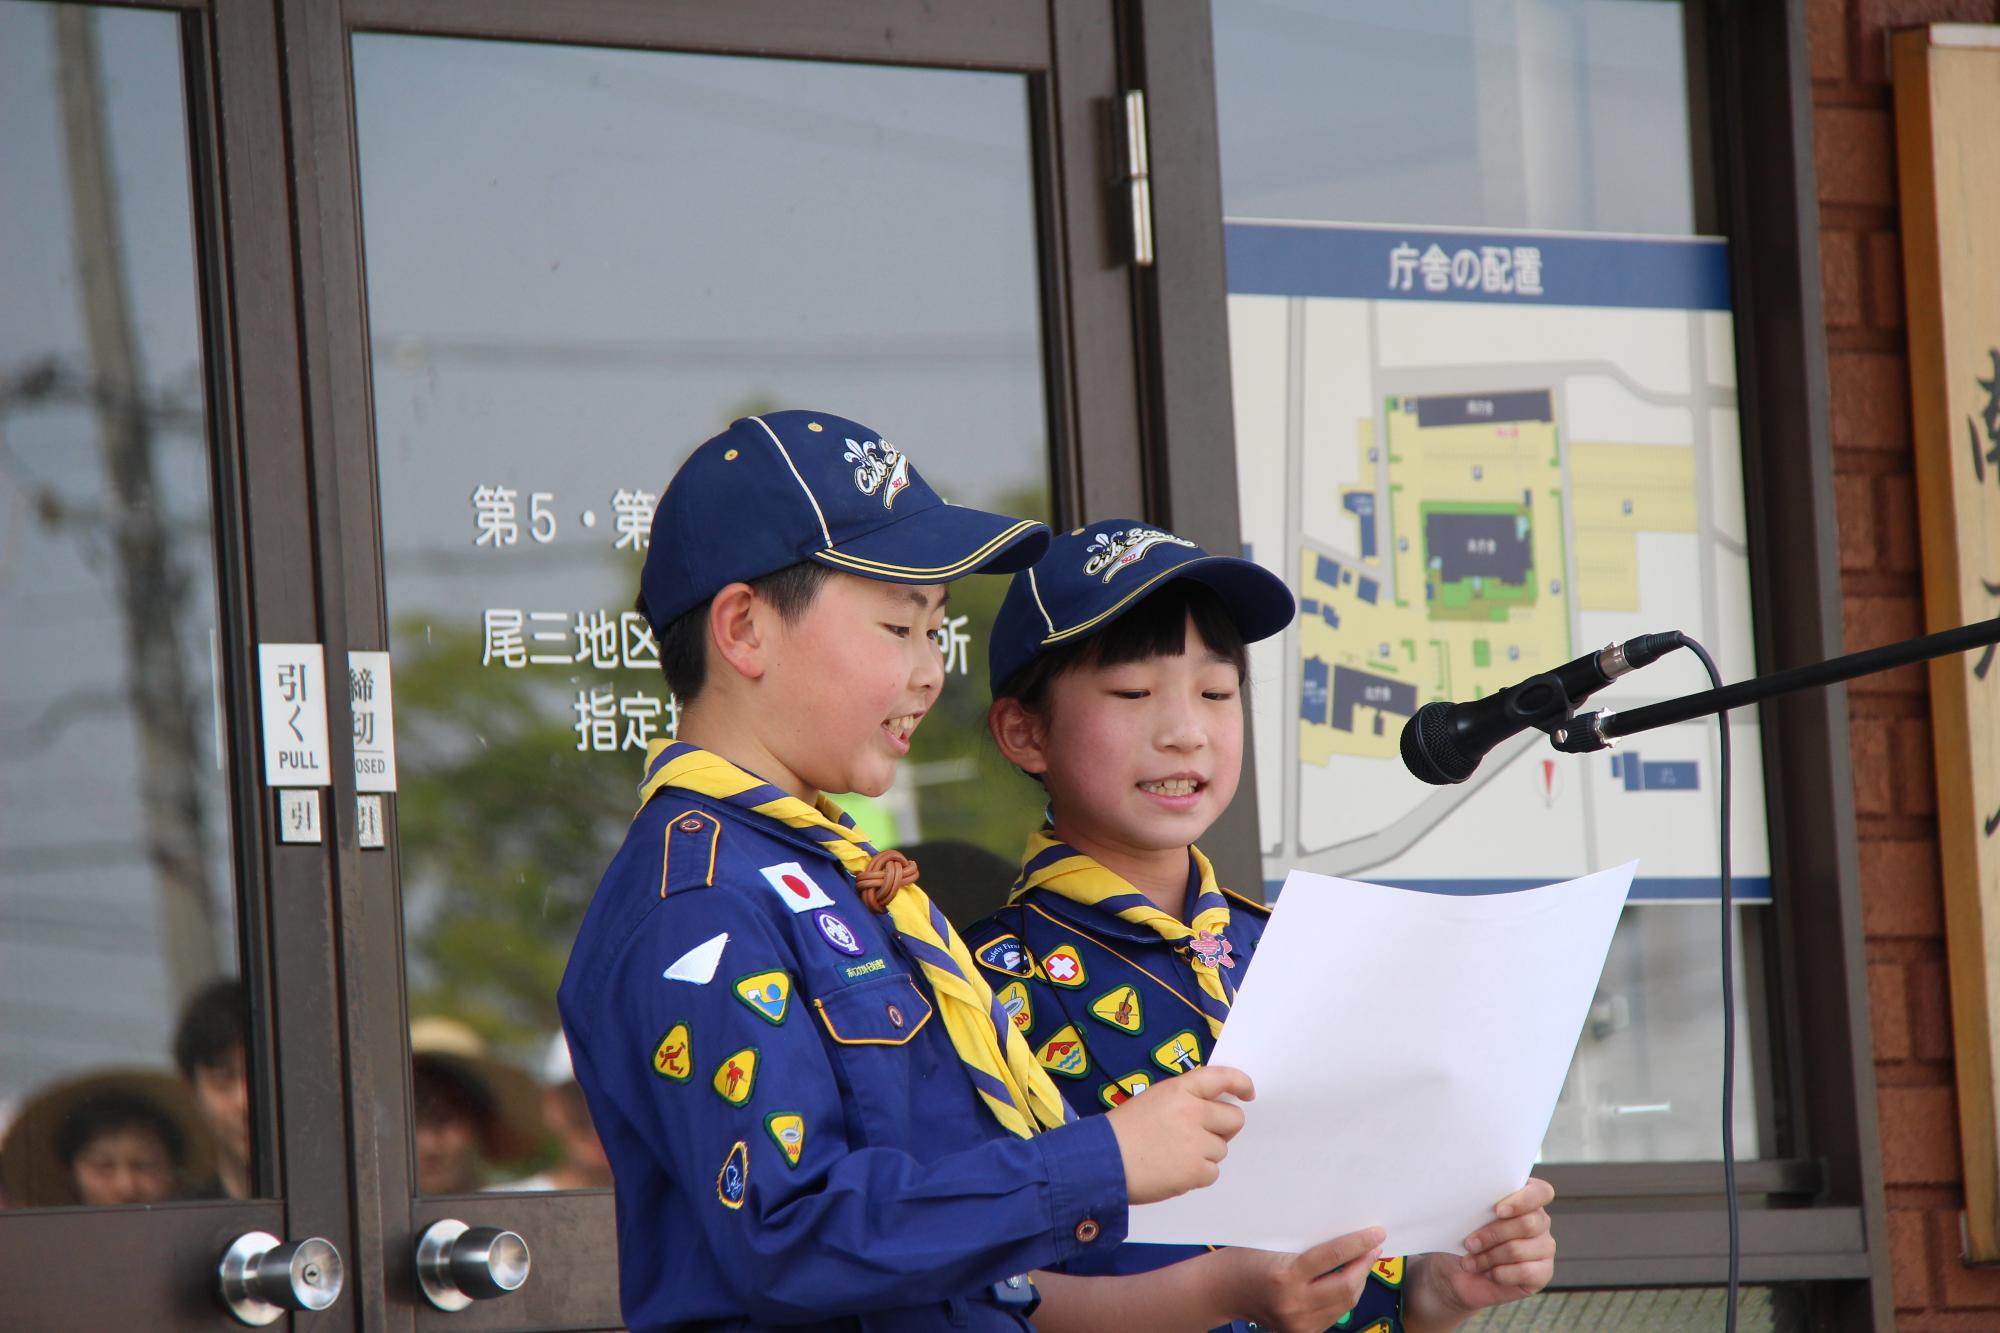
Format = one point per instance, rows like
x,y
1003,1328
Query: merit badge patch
x,y
1063,966
1120,1091
837,933
791,883
732,1182
1211,949
1020,1009
767,993
1064,1054
1119,1008
1389,1270
673,1058
697,965
788,1131
1007,954
1178,1053
734,1079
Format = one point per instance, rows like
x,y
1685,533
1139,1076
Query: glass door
x,y
575,251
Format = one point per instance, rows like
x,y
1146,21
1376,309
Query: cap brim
x,y
1255,598
939,544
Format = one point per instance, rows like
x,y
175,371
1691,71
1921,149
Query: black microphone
x,y
1444,742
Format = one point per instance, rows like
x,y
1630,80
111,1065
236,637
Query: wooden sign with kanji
x,y
1947,79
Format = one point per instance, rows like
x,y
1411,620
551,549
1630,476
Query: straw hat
x,y
32,1171
514,1132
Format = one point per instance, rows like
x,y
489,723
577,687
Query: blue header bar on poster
x,y
1387,263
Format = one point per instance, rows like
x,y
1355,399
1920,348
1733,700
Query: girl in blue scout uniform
x,y
816,1113
1117,664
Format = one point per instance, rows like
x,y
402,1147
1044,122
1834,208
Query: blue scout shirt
x,y
1110,1006
793,1137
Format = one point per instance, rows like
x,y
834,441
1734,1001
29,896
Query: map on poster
x,y
1476,455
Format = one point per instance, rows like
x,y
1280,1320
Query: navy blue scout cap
x,y
778,489
1100,571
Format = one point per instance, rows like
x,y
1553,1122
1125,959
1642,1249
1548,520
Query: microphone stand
x,y
1588,732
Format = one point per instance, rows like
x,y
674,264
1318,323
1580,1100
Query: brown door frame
x,y
163,1260
1813,1211
1068,52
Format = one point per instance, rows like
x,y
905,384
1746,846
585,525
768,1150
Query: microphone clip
x,y
1541,702
1584,733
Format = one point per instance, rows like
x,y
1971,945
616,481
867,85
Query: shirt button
x,y
1087,1230
895,1016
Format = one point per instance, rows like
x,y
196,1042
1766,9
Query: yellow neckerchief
x,y
1056,867
1015,1087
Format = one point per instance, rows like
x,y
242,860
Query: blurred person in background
x,y
113,1137
209,1047
580,1163
472,1111
120,1147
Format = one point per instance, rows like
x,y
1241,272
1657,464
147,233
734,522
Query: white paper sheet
x,y
1408,1049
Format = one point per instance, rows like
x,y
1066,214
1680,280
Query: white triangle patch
x,y
698,964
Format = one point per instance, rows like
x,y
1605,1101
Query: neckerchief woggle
x,y
1012,1083
1056,867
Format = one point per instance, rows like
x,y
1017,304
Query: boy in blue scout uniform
x,y
816,1112
1117,663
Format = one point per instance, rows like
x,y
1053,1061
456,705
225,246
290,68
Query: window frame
x,y
1814,1212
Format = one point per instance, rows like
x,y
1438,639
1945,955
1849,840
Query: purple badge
x,y
837,933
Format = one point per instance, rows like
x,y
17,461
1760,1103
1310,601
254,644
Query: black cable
x,y
1728,1006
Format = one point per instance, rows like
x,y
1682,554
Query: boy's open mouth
x,y
901,727
1173,786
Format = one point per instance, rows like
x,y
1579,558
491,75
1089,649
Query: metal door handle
x,y
457,1264
263,1277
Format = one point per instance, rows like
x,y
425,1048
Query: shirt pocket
x,y
886,1012
884,1044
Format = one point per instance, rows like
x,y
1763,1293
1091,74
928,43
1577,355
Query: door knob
x,y
262,1277
457,1264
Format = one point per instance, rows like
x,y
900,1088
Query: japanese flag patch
x,y
789,881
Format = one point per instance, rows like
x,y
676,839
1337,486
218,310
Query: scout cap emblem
x,y
1110,552
878,466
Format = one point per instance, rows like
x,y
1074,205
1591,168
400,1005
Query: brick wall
x,y
1882,592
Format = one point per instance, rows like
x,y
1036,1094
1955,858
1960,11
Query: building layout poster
x,y
1476,455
